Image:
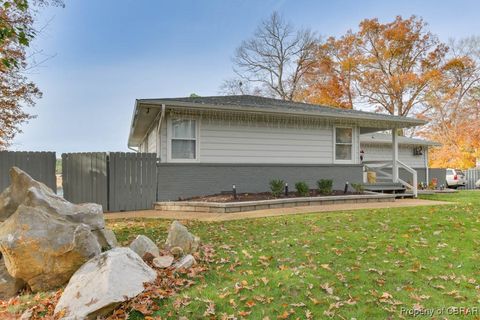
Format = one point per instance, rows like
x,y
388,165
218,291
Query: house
x,y
411,151
205,145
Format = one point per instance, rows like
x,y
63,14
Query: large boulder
x,y
9,286
25,190
43,248
102,283
178,236
142,245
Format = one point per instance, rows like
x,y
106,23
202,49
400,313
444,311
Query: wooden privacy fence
x,y
84,177
132,181
472,176
118,181
39,165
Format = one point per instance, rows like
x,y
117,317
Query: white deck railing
x,y
380,166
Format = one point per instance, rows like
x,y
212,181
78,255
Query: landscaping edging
x,y
230,207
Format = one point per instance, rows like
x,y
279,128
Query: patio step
x,y
385,187
404,195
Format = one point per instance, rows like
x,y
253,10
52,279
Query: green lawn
x,y
365,264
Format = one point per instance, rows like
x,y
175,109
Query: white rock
x,y
27,314
163,261
178,236
102,283
186,262
142,244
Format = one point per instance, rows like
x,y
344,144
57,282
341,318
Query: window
x,y
184,139
343,144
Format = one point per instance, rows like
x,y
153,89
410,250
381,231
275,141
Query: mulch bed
x,y
241,197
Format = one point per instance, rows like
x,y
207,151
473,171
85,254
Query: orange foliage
x,y
454,113
389,66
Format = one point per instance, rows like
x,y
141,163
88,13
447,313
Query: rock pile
x,y
46,241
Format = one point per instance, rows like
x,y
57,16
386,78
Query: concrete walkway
x,y
205,216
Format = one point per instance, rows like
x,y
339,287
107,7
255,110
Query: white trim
x,y
169,140
352,160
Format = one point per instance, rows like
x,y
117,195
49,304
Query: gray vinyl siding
x,y
374,152
223,142
163,142
152,140
226,141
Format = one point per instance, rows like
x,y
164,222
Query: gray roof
x,y
383,138
143,116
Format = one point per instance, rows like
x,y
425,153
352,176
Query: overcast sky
x,y
107,53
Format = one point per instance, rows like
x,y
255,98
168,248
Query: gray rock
x,y
25,190
9,286
43,248
27,314
178,236
177,252
142,244
163,262
186,262
106,238
102,283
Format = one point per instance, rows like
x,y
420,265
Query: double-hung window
x,y
183,139
343,144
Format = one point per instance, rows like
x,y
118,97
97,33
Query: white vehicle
x,y
477,184
456,178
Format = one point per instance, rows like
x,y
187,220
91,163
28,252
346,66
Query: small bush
x,y
302,188
358,187
325,186
276,187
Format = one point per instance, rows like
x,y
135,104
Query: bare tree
x,y
235,86
274,61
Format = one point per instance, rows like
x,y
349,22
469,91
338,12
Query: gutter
x,y
356,116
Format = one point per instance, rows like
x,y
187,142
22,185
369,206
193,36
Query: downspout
x,y
427,175
160,121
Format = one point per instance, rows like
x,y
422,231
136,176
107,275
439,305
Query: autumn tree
x,y
331,78
453,107
17,92
273,62
389,66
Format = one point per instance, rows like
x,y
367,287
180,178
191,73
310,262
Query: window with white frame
x,y
343,144
183,139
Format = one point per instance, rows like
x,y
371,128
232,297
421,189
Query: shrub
x,y
302,188
325,186
276,186
358,187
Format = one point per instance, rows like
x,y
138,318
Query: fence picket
x,y
472,176
39,165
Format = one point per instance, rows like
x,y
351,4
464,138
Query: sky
x,y
104,54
